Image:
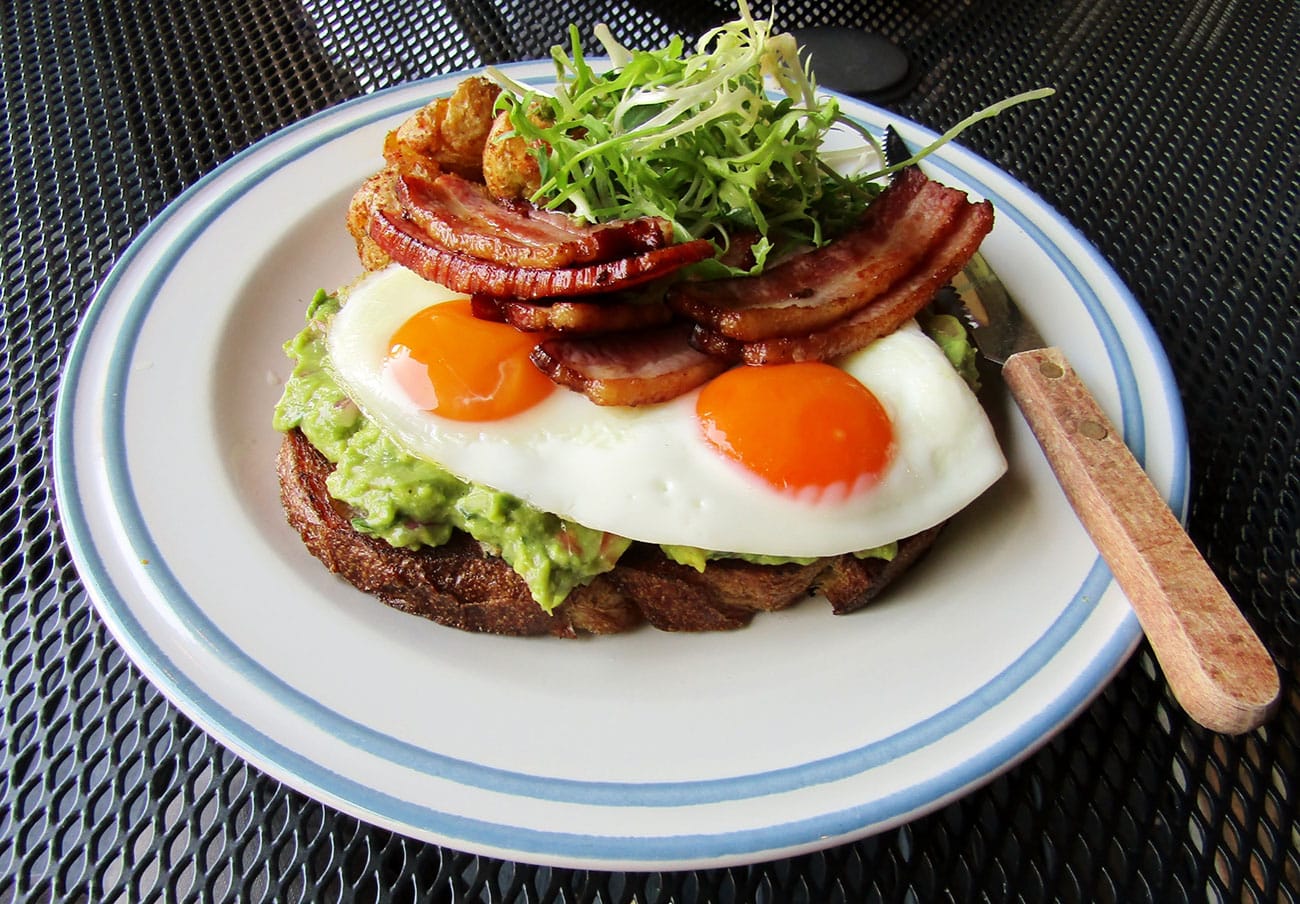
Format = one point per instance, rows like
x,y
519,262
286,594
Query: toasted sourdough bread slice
x,y
461,585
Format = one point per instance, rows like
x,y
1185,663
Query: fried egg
x,y
790,460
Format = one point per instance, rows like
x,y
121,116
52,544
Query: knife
x,y
1216,666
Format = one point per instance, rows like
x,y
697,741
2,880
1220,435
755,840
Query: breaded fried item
x,y
446,134
509,168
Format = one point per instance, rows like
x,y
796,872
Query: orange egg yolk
x,y
804,428
460,367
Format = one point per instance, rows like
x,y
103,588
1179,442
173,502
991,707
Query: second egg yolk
x,y
460,367
805,428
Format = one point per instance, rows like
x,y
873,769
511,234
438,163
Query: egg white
x,y
647,474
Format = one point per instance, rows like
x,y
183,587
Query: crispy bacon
x,y
595,316
815,289
714,343
739,252
407,244
374,193
461,216
487,307
884,315
642,367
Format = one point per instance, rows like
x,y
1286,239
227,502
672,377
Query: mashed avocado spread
x,y
411,502
951,336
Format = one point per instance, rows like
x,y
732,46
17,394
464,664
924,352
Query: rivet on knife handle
x,y
1215,664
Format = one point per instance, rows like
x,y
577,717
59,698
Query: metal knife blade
x,y
1216,666
994,319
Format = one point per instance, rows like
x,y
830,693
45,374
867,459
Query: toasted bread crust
x,y
460,585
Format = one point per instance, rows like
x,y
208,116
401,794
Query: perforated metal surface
x,y
1171,145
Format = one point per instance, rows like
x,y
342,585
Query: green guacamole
x,y
699,558
410,502
949,334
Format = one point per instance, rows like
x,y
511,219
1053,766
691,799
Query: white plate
x,y
645,750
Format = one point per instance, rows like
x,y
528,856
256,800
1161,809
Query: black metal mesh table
x,y
1172,147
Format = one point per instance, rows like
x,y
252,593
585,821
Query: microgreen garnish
x,y
722,141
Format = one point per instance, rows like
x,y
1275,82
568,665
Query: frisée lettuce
x,y
723,141
695,138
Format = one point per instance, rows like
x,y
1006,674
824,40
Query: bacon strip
x,y
635,368
884,315
603,316
407,244
461,216
813,290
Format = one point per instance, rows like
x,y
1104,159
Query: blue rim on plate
x,y
292,765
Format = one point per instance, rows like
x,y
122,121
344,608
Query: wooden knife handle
x,y
1215,664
